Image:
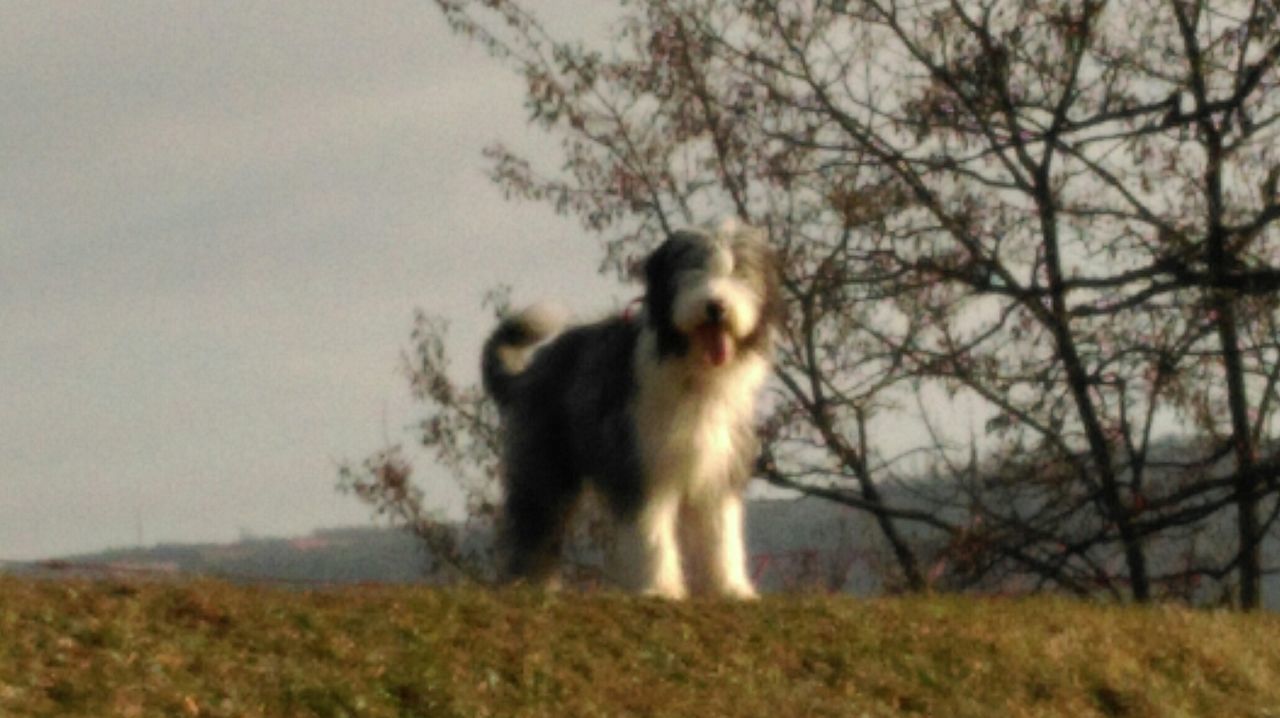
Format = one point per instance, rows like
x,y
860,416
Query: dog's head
x,y
712,294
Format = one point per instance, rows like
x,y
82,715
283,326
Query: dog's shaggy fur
x,y
654,412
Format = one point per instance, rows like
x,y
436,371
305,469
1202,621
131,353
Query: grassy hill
x,y
213,649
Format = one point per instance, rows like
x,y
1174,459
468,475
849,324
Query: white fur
x,y
544,318
688,418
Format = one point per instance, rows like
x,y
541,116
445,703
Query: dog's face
x,y
712,295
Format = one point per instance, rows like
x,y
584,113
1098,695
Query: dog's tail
x,y
507,350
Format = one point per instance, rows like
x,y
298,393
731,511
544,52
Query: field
x,y
214,649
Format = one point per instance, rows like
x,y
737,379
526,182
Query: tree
x,y
1059,217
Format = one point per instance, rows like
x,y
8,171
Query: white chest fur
x,y
692,419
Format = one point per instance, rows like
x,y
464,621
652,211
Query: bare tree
x,y
1057,217
459,428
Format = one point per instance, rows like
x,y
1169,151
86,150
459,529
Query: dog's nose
x,y
715,311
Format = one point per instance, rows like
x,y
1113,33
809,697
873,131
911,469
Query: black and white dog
x,y
653,412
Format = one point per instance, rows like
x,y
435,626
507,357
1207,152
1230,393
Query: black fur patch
x,y
569,421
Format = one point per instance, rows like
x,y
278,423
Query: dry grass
x,y
211,649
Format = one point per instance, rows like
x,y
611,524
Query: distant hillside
x,y
794,543
797,544
352,555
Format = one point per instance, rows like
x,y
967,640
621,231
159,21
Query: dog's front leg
x,y
650,551
717,537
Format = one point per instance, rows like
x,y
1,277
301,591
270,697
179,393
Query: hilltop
x,y
215,649
804,544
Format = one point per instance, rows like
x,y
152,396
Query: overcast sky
x,y
216,220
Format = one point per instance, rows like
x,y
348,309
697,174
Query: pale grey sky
x,y
216,219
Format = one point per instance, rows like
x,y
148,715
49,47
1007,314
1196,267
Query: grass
x,y
213,649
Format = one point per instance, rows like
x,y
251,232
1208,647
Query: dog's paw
x,y
668,592
742,593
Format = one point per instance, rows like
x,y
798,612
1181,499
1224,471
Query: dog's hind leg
x,y
539,502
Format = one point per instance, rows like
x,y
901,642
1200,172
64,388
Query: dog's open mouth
x,y
715,343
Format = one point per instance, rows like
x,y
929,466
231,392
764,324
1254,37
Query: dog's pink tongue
x,y
715,344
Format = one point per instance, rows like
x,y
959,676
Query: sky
x,y
216,222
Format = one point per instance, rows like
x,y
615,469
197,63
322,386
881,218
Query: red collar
x,y
631,310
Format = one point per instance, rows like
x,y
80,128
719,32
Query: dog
x,y
655,413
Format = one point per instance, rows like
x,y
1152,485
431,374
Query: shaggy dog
x,y
655,413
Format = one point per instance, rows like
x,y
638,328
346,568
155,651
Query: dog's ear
x,y
657,274
655,263
659,296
